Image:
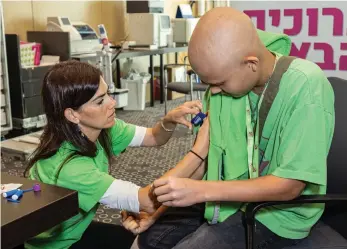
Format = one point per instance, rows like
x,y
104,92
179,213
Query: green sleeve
x,y
121,135
82,175
304,145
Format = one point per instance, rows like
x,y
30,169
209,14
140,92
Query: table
x,y
36,212
131,53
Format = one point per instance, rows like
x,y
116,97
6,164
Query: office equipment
x,y
183,29
105,65
6,112
104,37
151,6
148,29
184,11
52,43
105,59
25,92
83,38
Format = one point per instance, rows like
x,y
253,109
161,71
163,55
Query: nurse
x,y
80,139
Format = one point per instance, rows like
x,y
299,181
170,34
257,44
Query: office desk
x,y
131,53
36,212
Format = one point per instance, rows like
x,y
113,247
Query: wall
x,y
21,16
318,29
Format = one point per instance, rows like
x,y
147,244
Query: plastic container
x,y
121,97
137,93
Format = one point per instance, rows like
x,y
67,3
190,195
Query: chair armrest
x,y
253,208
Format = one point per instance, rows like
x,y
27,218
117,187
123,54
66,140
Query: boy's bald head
x,y
222,42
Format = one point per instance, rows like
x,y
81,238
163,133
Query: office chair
x,y
331,233
187,87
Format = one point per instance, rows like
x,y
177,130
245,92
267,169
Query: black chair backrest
x,y
337,159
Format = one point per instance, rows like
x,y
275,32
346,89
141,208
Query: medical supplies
x,y
15,195
198,119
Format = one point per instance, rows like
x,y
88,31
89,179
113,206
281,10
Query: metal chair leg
x,y
191,87
250,236
165,100
191,97
165,90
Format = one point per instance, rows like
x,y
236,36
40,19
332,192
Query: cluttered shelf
x,y
6,121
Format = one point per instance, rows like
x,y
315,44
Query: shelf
x,y
6,113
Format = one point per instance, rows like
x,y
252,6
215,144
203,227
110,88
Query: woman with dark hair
x,y
77,144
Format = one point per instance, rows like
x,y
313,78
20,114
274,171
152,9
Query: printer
x,y
149,29
183,29
83,38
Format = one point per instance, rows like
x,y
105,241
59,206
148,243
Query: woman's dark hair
x,y
67,84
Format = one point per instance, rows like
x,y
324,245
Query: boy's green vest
x,y
227,158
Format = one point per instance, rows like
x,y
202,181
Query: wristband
x,y
197,155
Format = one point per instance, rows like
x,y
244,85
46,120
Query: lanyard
x,y
253,138
253,134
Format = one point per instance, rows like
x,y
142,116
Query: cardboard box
x,y
175,73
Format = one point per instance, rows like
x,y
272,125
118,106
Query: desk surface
x,y
36,212
174,49
138,52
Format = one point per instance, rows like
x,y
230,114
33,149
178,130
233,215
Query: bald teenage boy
x,y
226,52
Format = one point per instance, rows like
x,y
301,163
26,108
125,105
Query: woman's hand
x,y
177,115
162,131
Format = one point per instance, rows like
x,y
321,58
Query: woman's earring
x,y
80,131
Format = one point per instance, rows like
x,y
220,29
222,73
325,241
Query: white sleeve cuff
x,y
140,133
122,195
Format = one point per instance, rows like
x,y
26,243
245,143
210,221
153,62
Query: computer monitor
x,y
52,43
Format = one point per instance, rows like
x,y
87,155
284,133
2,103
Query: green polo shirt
x,y
299,130
89,176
